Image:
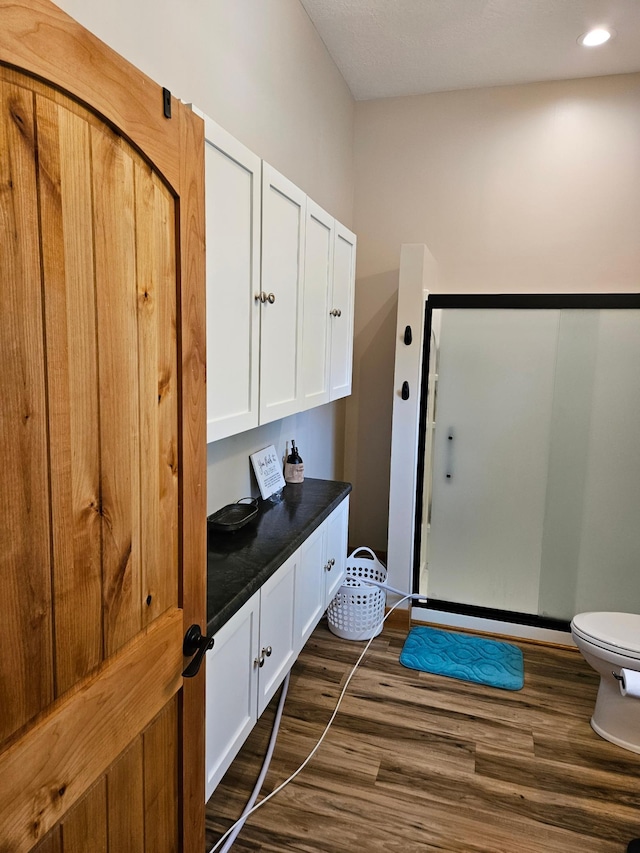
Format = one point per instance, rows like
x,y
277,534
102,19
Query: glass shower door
x,y
534,489
495,392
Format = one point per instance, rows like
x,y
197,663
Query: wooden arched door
x,y
102,442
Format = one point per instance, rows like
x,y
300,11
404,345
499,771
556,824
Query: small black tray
x,y
233,516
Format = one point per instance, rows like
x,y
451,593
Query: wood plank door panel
x,y
64,181
26,672
102,429
157,313
133,793
116,319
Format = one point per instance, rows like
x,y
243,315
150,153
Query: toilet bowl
x,y
610,642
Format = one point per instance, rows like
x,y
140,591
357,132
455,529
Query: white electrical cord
x,y
237,826
249,811
385,586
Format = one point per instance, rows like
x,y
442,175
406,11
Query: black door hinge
x,y
166,102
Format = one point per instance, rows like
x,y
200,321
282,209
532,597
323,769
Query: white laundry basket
x,y
357,611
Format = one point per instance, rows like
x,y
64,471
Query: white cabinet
x,y
255,649
329,285
318,278
277,650
233,193
337,530
341,311
283,243
255,266
280,291
310,586
321,570
251,655
231,691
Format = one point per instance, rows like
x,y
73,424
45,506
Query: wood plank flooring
x,y
417,762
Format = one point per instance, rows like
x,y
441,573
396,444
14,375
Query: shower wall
x,y
536,469
609,559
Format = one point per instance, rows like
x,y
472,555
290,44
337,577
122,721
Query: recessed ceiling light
x,y
595,37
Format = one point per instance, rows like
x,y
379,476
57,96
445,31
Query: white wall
x,y
514,189
259,69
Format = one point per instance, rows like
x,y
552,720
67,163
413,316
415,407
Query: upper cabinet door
x,y
283,242
341,311
318,277
233,283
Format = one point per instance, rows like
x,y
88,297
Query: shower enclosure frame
x,y
487,301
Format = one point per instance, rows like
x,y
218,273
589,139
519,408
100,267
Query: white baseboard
x,y
491,626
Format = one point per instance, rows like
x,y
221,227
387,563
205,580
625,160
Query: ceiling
x,y
388,48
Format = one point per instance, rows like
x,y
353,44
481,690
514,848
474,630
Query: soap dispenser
x,y
294,467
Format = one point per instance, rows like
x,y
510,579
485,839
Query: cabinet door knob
x,y
332,561
271,298
261,297
268,651
335,312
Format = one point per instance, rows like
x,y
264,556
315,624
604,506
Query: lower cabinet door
x,y
232,691
310,585
277,650
337,529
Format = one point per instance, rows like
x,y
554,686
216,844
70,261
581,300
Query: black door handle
x,y
405,390
198,644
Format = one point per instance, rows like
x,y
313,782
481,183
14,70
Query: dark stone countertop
x,y
239,563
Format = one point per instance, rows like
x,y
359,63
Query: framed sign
x,y
268,470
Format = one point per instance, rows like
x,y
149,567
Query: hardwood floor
x,y
417,762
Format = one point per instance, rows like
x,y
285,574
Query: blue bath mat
x,y
464,656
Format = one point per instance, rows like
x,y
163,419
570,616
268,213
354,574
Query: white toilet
x,y
610,642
